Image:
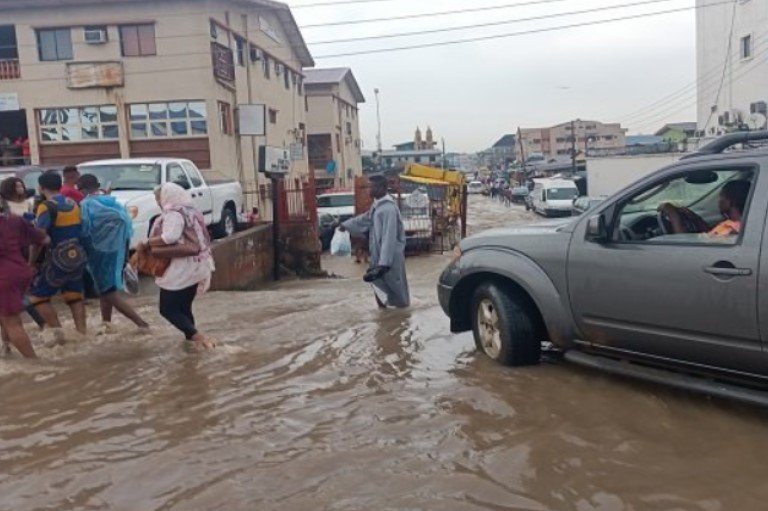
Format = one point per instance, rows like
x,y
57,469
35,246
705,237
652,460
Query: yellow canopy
x,y
433,175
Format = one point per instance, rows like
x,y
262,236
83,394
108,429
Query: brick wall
x,y
244,261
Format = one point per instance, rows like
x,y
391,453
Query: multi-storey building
x,y
87,79
561,140
731,66
333,126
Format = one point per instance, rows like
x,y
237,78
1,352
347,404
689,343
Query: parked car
x,y
519,194
553,197
132,182
27,173
583,204
332,209
626,290
475,187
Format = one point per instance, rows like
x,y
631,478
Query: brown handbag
x,y
145,264
187,246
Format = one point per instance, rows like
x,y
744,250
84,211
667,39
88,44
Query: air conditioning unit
x,y
759,107
95,35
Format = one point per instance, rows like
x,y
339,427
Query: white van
x,y
553,197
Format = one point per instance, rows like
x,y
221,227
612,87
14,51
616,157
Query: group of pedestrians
x,y
14,152
75,231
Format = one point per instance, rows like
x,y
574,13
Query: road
x,y
317,401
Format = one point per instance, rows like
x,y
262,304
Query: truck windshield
x,y
562,193
335,201
131,176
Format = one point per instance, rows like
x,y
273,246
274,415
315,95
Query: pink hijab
x,y
172,196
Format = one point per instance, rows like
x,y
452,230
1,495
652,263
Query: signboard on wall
x,y
297,151
9,102
89,75
252,120
274,160
268,29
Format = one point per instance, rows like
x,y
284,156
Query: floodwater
x,y
318,401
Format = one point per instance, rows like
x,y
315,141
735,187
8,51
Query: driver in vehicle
x,y
733,200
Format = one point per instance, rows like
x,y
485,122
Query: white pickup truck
x,y
133,181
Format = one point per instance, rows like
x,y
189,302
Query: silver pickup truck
x,y
666,281
132,182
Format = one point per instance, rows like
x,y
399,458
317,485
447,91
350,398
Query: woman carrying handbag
x,y
180,236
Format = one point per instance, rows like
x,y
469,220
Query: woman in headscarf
x,y
187,276
13,191
15,276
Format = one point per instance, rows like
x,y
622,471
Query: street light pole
x,y
378,134
573,147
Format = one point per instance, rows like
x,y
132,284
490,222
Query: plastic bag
x,y
131,280
341,244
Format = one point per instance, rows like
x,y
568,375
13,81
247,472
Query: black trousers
x,y
176,307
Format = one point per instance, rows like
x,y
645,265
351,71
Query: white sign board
x,y
297,151
9,102
274,160
268,29
251,120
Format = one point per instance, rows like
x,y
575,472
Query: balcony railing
x,y
10,69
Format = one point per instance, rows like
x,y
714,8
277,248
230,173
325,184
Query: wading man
x,y
386,234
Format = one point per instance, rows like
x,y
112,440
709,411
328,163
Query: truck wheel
x,y
228,224
503,327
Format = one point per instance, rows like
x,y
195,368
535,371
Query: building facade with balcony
x,y
89,79
333,126
560,140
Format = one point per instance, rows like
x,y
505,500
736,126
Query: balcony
x,y
10,69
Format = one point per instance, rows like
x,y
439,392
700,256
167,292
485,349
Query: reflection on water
x,y
319,401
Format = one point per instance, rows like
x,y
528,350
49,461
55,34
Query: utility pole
x,y
378,135
444,162
573,147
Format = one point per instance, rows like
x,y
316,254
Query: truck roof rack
x,y
727,141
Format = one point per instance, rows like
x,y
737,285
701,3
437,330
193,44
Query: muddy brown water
x,y
317,401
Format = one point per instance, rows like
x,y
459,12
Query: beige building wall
x,y
182,70
557,141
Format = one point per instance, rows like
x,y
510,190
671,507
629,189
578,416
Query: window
x,y
272,116
349,128
55,44
286,78
746,47
175,174
698,207
78,124
240,51
338,143
266,66
194,174
225,118
138,40
164,120
300,85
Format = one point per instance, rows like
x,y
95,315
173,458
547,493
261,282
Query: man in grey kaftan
x,y
386,234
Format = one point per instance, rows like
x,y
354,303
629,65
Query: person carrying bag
x,y
180,237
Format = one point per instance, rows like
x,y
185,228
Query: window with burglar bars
x,y
86,123
166,120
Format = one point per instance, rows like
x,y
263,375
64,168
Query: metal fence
x,y
297,203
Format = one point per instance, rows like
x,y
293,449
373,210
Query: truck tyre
x,y
227,226
503,327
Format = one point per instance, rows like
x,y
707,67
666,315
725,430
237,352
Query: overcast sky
x,y
473,93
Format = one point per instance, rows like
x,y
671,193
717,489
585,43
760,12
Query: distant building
x,y
333,126
560,140
741,100
399,159
677,132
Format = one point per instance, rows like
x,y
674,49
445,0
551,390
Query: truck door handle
x,y
726,269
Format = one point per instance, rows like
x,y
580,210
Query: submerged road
x,y
317,401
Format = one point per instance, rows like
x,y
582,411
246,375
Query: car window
x,y
562,193
194,174
30,179
176,174
698,207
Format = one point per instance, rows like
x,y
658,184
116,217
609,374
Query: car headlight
x,y
133,212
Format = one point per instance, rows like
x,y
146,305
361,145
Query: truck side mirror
x,y
597,231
